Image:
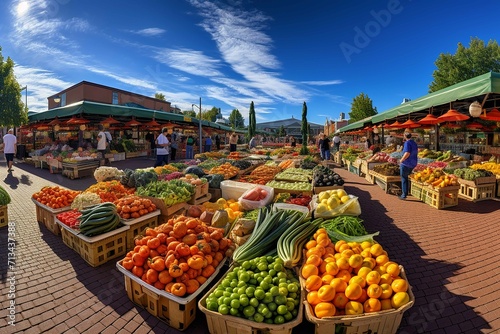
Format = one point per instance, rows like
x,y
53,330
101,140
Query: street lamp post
x,y
199,126
26,89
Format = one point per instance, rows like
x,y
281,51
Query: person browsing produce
x,y
9,148
407,163
162,148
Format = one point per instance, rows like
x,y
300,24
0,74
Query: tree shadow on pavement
x,y
435,306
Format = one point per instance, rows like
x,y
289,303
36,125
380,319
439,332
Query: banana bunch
x,y
99,219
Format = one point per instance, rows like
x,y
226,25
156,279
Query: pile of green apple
x,y
261,290
328,200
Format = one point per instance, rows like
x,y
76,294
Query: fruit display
x,y
261,174
110,191
296,186
297,199
490,166
165,169
69,218
435,178
328,200
379,157
260,290
171,192
179,255
292,177
229,171
387,169
4,197
446,156
351,278
255,194
98,219
132,207
55,197
325,177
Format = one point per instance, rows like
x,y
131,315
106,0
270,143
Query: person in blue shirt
x,y
407,163
208,144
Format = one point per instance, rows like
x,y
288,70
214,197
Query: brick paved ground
x,y
450,256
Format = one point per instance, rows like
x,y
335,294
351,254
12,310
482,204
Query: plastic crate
x,y
228,324
383,322
440,198
69,236
480,192
4,216
138,225
177,312
416,190
102,248
47,216
234,189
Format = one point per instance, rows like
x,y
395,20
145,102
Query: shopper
x,y
174,145
162,148
407,163
189,147
9,148
233,142
217,142
102,145
252,143
293,142
336,143
325,146
320,145
208,144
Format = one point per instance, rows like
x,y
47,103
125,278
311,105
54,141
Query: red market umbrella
x,y
453,116
452,126
110,120
394,125
474,125
429,120
493,115
77,121
152,123
133,122
410,124
55,121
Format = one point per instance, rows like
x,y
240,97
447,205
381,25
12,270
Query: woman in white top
x,y
162,148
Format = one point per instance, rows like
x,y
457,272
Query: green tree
x,y
282,131
251,121
190,113
160,96
210,115
466,63
236,120
13,112
361,107
304,130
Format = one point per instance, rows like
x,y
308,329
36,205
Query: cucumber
x,y
98,206
112,225
96,221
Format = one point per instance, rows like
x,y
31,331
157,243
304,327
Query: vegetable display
x,y
110,191
55,197
300,186
171,192
98,219
4,197
84,200
106,173
132,207
325,177
69,218
471,174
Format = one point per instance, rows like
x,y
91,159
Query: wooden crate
x,y
383,322
4,216
200,200
228,324
478,181
216,194
69,236
476,193
129,155
440,198
385,182
46,215
201,191
102,248
138,225
177,312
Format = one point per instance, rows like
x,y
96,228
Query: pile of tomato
x,y
69,218
131,206
55,197
179,255
299,200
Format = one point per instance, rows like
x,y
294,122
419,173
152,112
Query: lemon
x,y
323,195
321,208
221,201
341,193
344,199
332,202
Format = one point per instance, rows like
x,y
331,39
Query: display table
x,y
75,170
439,198
385,182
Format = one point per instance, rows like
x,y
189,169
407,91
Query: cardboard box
x,y
234,189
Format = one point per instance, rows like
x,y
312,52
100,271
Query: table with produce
x,y
288,247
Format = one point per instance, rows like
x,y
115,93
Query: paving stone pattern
x,y
450,257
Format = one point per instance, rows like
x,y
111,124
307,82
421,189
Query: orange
x,y
353,244
343,263
235,206
363,297
324,309
366,244
363,271
382,259
373,277
339,284
358,279
386,291
355,261
380,269
386,278
393,269
338,244
347,253
340,300
314,259
326,278
369,262
353,291
343,247
312,298
353,308
319,231
331,268
313,282
386,304
399,285
399,299
366,253
344,275
326,293
323,240
310,244
374,291
372,305
308,270
376,249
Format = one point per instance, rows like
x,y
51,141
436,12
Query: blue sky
x,y
275,53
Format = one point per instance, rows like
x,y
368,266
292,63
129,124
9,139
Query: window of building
x,y
63,99
115,98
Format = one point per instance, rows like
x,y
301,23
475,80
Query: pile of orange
x,y
348,278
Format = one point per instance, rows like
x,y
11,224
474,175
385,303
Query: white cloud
x,y
324,83
149,32
189,61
